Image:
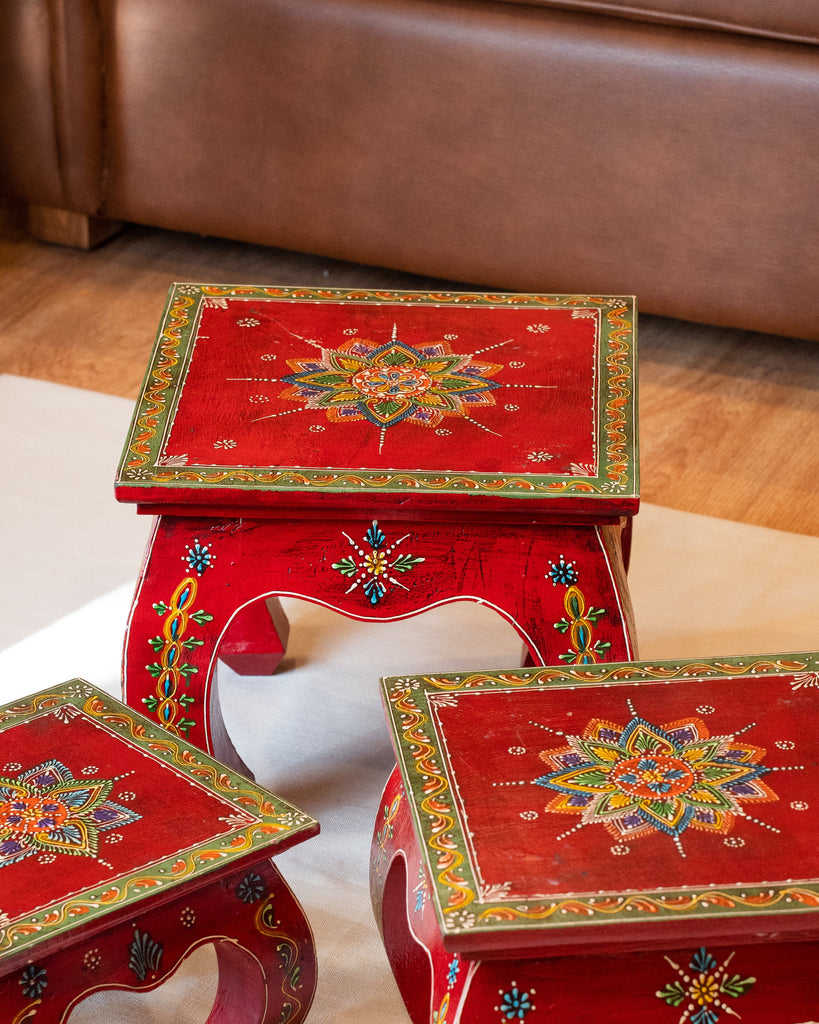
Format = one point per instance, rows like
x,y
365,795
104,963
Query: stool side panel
x,y
266,968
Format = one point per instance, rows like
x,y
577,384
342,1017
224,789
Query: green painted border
x,y
455,888
275,821
617,441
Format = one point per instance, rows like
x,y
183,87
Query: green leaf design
x,y
192,642
405,562
155,670
673,993
562,626
185,669
735,986
200,617
157,643
387,408
347,566
395,358
160,608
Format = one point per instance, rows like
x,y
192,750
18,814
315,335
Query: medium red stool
x,y
122,850
620,843
379,453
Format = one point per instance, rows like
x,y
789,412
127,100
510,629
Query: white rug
x,y
701,587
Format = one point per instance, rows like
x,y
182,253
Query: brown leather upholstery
x,y
51,112
509,145
794,20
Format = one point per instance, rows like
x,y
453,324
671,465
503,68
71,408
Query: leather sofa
x,y
666,148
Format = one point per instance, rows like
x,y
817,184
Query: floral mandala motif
x,y
642,779
45,810
703,990
391,383
515,1003
199,557
33,980
374,569
251,888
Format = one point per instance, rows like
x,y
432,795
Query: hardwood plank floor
x,y
729,420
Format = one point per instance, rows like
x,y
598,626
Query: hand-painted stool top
x,y
619,803
269,397
100,809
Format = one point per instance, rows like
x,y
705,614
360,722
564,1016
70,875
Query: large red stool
x,y
620,843
380,453
122,850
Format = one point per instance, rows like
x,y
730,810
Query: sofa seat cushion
x,y
793,20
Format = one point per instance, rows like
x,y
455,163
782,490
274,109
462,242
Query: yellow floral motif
x,y
704,989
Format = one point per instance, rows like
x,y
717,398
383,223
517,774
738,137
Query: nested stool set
x,y
601,839
383,453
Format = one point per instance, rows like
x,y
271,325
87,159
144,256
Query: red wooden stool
x,y
123,849
380,453
624,842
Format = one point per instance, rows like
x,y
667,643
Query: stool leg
x,y
269,974
256,639
614,552
430,980
264,949
176,626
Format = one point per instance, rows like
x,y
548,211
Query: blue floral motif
x,y
515,1004
659,778
199,557
146,954
250,889
452,974
33,980
562,572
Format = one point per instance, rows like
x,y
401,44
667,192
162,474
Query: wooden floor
x,y
729,420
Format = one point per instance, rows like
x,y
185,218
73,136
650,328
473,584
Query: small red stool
x,y
122,850
620,843
380,453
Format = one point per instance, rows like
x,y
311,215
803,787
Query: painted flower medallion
x,y
45,810
643,779
391,383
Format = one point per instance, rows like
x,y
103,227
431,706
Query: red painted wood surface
x,y
381,454
272,398
562,587
612,842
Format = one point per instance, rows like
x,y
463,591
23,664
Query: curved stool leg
x,y
269,973
430,980
264,948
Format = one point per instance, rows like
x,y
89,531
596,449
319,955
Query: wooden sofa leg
x,y
66,227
